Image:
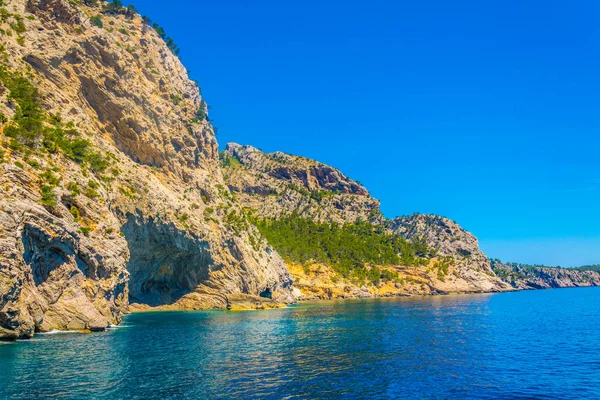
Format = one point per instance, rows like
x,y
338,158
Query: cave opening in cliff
x,y
165,264
267,293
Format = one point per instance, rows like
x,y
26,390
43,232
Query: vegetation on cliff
x,y
525,276
595,268
110,182
32,127
347,248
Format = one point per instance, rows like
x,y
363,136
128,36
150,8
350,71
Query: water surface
x,y
539,344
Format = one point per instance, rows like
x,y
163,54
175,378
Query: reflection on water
x,y
527,344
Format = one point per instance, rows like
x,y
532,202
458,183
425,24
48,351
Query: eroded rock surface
x,y
143,213
527,277
278,183
455,246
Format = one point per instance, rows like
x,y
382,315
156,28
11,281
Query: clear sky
x,y
487,112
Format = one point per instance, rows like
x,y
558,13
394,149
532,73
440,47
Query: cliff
x,y
456,246
527,277
296,201
115,198
277,184
110,179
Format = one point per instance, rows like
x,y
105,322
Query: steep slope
x,y
525,277
309,211
278,184
110,182
457,247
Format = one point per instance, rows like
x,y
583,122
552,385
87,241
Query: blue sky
x,y
485,112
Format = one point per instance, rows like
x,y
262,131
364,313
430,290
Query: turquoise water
x,y
540,344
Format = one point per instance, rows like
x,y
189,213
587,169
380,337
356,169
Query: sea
x,y
541,344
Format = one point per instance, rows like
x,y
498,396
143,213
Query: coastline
x,y
275,305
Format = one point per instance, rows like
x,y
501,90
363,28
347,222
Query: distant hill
x,y
524,276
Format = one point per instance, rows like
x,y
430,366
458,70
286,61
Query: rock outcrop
x,y
109,177
457,247
278,183
527,277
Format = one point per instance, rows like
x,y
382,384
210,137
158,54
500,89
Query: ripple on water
x,y
532,344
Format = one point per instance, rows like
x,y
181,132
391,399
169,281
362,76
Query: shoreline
x,y
281,306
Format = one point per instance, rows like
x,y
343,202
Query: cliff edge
x,y
110,178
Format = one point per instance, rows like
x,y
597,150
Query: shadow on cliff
x,y
165,263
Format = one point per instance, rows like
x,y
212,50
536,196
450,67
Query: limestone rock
x,y
279,183
459,248
526,277
152,220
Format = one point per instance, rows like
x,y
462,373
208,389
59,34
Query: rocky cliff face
x,y
113,191
276,184
526,277
456,247
110,179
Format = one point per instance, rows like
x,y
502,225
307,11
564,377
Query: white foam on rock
x,y
56,332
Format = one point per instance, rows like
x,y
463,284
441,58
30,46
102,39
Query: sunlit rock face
x,y
526,277
461,248
278,184
144,215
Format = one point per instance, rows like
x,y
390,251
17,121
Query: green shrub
x,y
161,32
48,196
127,192
19,26
236,221
96,20
75,213
34,164
27,125
229,161
49,177
92,193
131,10
96,161
319,195
74,188
114,6
442,269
